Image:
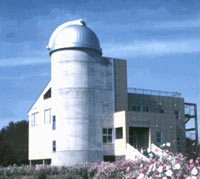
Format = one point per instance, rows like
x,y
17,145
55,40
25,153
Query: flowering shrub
x,y
166,166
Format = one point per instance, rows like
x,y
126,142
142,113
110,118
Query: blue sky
x,y
159,39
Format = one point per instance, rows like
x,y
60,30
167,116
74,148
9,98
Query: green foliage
x,y
192,148
14,144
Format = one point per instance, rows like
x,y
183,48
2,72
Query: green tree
x,y
14,144
192,148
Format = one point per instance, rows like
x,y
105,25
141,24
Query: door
x,y
139,137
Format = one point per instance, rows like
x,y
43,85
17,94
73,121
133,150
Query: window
x,y
158,137
119,133
54,146
162,111
177,114
145,108
178,140
47,116
47,94
54,123
140,108
107,135
34,119
109,158
134,107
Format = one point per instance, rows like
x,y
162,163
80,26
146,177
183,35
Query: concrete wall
x,y
120,78
164,122
82,100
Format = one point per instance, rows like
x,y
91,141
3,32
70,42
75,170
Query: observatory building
x,y
86,112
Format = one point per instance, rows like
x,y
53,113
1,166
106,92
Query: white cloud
x,y
13,62
25,76
144,48
181,24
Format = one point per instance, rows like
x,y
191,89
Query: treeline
x,y
14,144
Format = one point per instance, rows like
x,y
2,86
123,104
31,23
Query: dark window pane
x,y
158,140
108,158
158,134
119,133
109,131
104,139
47,94
54,146
54,123
134,108
147,108
139,108
161,111
109,138
104,131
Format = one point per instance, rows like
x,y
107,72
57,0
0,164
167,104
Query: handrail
x,y
154,92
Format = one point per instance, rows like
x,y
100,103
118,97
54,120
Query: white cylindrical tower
x,y
81,93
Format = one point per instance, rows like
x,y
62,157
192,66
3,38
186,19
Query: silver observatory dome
x,y
73,35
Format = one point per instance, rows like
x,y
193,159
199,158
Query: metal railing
x,y
154,92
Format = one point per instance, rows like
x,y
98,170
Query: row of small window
x,y
108,134
159,139
140,108
145,108
177,113
47,118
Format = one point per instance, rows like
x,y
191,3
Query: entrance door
x,y
139,137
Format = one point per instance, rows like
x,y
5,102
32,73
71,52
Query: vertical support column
x,y
196,124
149,146
30,163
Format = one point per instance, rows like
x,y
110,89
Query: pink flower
x,y
193,144
191,160
178,174
191,166
180,154
185,175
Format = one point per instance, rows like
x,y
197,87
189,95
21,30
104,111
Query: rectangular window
x,y
158,137
107,135
134,107
47,116
162,111
34,119
177,114
119,133
139,108
54,146
109,158
178,140
54,123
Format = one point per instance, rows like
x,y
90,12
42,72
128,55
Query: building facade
x,y
86,112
